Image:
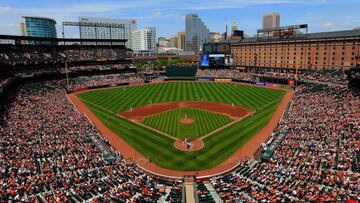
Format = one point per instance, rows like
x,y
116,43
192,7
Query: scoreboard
x,y
216,55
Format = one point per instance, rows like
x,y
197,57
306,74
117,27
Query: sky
x,y
168,16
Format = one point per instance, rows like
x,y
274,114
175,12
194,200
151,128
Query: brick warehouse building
x,y
317,51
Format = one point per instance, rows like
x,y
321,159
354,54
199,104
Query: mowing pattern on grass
x,y
105,104
168,122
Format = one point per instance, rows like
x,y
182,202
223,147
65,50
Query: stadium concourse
x,y
49,152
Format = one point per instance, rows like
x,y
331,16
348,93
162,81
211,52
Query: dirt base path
x,y
247,150
141,112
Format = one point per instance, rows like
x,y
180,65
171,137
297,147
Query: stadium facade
x,y
317,51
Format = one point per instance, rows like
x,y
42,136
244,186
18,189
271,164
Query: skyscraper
x,y
107,32
22,28
173,41
271,20
144,40
38,27
196,33
181,40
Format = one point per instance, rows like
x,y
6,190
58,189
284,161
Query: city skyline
x,y
168,16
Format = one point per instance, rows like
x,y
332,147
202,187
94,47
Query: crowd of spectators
x,y
273,74
49,152
334,77
55,70
224,73
98,67
100,80
203,193
42,54
316,161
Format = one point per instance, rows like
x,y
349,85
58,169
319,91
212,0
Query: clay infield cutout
x,y
188,117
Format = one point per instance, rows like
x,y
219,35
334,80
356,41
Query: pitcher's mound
x,y
186,121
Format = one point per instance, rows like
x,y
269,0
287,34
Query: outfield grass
x,y
218,147
205,122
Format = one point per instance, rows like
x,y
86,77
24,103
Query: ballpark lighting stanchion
x,y
67,74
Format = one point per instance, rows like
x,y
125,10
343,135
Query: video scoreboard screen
x,y
217,60
216,55
205,60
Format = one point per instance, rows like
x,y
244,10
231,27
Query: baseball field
x,y
199,113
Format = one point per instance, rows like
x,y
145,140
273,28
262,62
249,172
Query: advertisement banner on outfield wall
x,y
203,78
222,80
260,83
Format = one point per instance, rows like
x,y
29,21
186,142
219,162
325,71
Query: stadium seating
x,y
49,152
336,77
36,55
204,194
316,161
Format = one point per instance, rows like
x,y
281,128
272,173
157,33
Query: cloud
x,y
329,26
5,9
